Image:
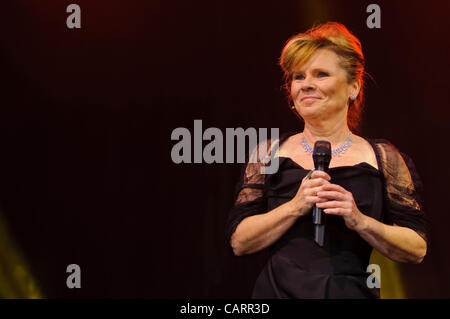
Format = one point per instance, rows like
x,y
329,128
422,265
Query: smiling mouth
x,y
309,98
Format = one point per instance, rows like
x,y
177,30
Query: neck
x,y
336,133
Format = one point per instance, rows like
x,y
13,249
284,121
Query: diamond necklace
x,y
338,151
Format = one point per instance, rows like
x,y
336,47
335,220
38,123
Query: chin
x,y
310,110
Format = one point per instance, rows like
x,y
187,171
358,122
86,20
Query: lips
x,y
309,97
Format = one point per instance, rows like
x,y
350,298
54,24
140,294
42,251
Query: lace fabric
x,y
253,178
249,193
402,188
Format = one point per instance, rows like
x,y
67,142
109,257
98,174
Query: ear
x,y
354,89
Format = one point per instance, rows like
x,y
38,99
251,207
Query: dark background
x,y
86,117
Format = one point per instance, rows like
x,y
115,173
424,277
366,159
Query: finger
x,y
316,182
320,174
315,200
331,204
333,211
313,190
332,195
334,187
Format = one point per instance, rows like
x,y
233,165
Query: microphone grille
x,y
322,148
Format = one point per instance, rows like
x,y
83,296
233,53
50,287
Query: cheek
x,y
295,90
328,88
334,90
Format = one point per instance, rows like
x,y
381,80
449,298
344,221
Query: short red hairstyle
x,y
336,37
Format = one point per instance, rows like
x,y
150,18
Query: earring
x,y
293,107
353,96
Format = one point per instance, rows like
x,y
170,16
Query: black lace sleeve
x,y
403,190
250,198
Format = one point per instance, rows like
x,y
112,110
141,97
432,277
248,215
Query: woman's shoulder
x,y
381,142
274,145
386,149
276,140
394,162
268,148
403,182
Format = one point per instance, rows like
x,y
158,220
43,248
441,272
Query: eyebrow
x,y
314,70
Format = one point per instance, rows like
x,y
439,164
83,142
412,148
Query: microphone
x,y
321,157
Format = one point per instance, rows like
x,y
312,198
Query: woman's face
x,y
319,88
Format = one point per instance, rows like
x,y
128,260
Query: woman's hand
x,y
306,195
340,202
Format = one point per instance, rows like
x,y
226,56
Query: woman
x,y
370,195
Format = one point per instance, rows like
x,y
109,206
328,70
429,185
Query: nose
x,y
307,84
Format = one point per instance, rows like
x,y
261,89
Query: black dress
x,y
297,267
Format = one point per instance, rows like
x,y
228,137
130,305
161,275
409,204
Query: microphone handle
x,y
319,218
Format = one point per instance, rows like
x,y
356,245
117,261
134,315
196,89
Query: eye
x,y
323,74
298,77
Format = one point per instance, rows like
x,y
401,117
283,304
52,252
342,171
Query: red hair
x,y
336,37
